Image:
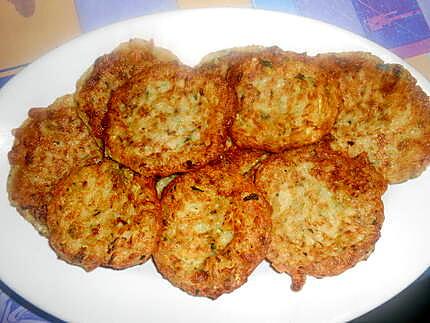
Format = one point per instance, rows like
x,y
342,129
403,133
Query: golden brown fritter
x,y
385,114
169,119
104,215
110,71
215,231
285,101
327,210
48,145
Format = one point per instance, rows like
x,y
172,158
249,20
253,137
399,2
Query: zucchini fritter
x,y
104,215
285,101
169,119
48,145
215,230
327,210
384,114
110,71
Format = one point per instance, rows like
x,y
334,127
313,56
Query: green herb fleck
x,y
266,63
213,246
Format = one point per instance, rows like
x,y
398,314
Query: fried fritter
x,y
215,230
384,114
327,210
169,119
104,215
48,145
110,71
285,101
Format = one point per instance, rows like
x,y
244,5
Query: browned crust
x,y
244,213
245,160
358,211
286,100
221,61
47,146
94,88
104,215
385,114
208,119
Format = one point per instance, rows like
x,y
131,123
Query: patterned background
x,y
29,28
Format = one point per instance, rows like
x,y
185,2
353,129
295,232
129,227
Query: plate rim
x,y
421,80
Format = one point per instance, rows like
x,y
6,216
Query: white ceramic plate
x,y
30,267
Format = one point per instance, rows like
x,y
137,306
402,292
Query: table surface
x,y
30,28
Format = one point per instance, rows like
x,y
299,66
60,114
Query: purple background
x,y
402,22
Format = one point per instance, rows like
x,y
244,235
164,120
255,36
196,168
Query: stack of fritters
x,y
255,153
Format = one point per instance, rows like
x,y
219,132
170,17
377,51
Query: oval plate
x,y
31,268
